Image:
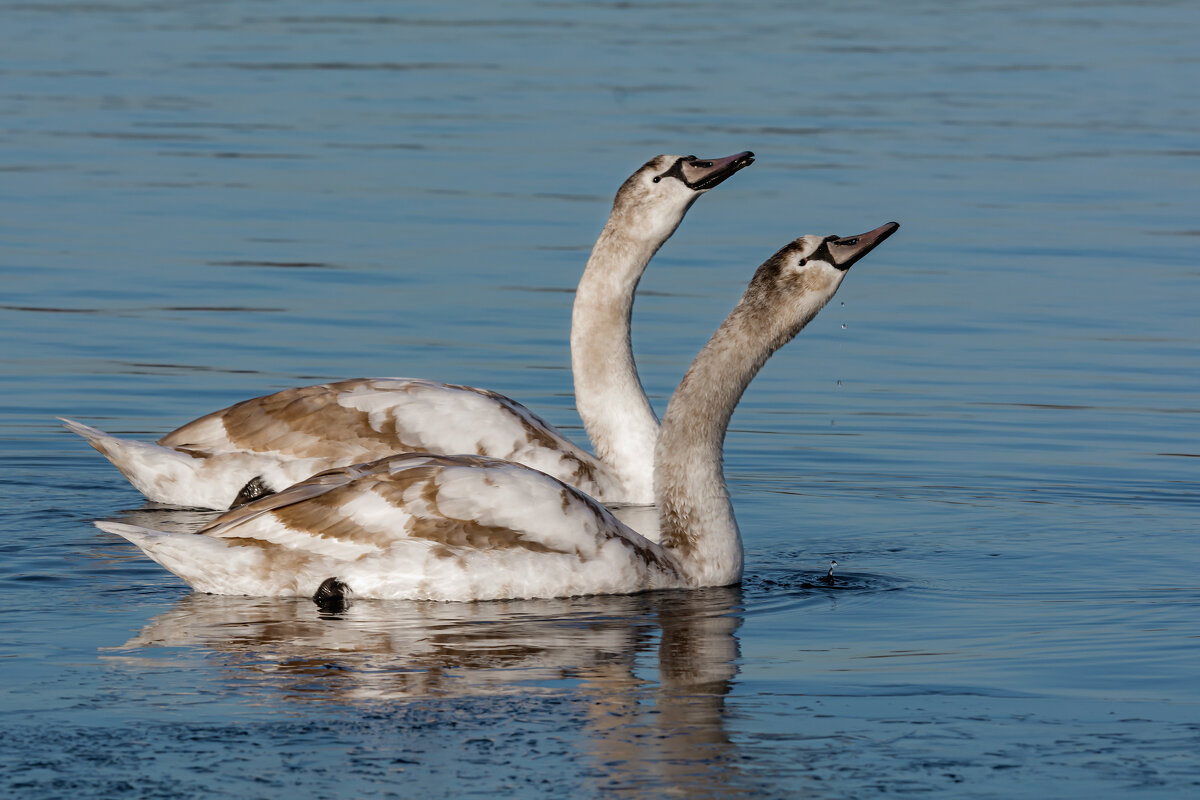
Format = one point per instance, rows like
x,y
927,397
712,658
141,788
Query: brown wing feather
x,y
294,421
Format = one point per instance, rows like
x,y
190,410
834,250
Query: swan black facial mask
x,y
842,253
702,174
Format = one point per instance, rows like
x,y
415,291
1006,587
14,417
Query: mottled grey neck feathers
x,y
697,520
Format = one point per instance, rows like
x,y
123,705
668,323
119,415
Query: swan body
x,y
420,526
417,526
267,443
283,438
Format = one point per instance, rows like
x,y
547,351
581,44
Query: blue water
x,y
993,428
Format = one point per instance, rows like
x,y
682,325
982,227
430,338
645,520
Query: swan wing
x,y
449,528
365,419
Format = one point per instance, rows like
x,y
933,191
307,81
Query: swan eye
x,y
657,178
803,261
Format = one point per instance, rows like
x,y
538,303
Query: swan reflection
x,y
647,674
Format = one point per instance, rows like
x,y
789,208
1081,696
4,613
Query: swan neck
x,y
608,392
697,520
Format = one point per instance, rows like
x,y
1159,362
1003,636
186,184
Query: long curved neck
x,y
608,392
697,520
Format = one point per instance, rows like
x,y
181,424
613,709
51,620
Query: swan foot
x,y
332,596
254,489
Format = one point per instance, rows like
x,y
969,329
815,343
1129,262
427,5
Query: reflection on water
x,y
649,673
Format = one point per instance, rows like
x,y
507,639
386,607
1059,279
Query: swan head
x,y
653,201
794,284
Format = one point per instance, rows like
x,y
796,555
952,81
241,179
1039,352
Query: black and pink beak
x,y
702,174
845,251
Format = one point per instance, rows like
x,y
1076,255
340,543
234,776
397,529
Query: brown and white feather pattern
x,y
285,437
417,527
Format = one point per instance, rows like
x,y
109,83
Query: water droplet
x,y
839,383
843,326
843,304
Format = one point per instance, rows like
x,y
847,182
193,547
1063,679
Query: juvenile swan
x,y
262,445
473,528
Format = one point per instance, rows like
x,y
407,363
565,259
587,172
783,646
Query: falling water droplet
x,y
843,326
839,383
843,304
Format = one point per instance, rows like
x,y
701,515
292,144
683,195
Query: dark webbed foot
x,y
254,489
332,595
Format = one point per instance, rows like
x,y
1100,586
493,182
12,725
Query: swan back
x,y
417,526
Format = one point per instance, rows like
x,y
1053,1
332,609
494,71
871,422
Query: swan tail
x,y
160,473
221,566
204,563
184,554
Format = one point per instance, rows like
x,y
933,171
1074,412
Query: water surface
x,y
993,428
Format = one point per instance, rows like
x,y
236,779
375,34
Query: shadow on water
x,y
646,676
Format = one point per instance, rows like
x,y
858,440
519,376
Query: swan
x,y
469,527
265,444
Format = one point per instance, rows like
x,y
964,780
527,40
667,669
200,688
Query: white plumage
x,y
416,527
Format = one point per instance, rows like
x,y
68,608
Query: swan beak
x,y
849,249
702,174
